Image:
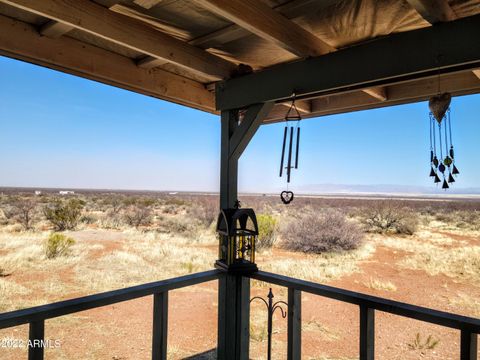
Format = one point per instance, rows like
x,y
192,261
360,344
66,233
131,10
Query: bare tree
x,y
26,212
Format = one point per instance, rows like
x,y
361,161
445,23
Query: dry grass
x,y
322,267
457,262
465,301
377,284
319,329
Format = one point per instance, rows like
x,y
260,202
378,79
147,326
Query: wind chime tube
x,y
289,166
283,150
297,147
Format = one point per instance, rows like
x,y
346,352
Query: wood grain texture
x,y
147,4
433,11
95,19
22,41
55,29
263,21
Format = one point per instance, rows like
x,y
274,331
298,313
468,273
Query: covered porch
x,y
246,61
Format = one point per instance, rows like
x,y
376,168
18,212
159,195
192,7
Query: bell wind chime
x,y
292,133
442,155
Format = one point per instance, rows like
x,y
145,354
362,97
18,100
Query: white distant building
x,y
66,192
38,192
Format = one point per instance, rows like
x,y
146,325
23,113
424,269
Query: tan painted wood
x,y
147,4
434,11
95,19
379,93
256,17
54,29
477,73
22,41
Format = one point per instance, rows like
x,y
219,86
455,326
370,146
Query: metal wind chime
x,y
292,131
442,155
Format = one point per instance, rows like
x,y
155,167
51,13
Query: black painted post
x,y
160,326
367,333
36,335
468,345
294,349
233,290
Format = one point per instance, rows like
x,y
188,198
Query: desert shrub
x,y
175,226
326,232
205,210
137,215
58,245
267,231
21,211
388,217
88,219
64,215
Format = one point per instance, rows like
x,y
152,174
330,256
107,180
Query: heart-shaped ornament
x,y
286,196
439,104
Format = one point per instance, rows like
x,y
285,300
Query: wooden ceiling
x,y
177,50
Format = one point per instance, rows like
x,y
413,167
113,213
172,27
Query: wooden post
x,y
468,345
36,335
294,349
367,333
233,290
160,326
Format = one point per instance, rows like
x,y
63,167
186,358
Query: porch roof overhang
x,y
336,56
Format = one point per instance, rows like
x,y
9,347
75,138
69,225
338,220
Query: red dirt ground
x,y
123,331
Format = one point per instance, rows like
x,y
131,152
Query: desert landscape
x,y
56,246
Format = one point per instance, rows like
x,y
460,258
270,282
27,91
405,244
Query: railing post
x,y
367,333
233,317
160,326
36,335
468,345
294,349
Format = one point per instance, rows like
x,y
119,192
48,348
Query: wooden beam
x,y
463,83
304,106
441,49
97,20
434,11
379,93
147,4
152,21
258,18
477,73
54,29
22,41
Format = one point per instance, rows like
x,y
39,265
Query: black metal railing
x,y
469,327
36,316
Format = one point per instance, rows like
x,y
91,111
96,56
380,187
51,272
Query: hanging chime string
x,y
431,146
440,141
446,139
449,127
432,124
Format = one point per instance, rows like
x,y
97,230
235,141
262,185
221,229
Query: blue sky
x,y
58,130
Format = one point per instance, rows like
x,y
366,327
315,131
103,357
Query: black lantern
x,y
237,232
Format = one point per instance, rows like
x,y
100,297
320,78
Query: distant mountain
x,y
384,189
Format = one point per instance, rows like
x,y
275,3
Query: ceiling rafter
x,y
269,24
55,29
97,20
147,4
261,20
434,11
22,41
